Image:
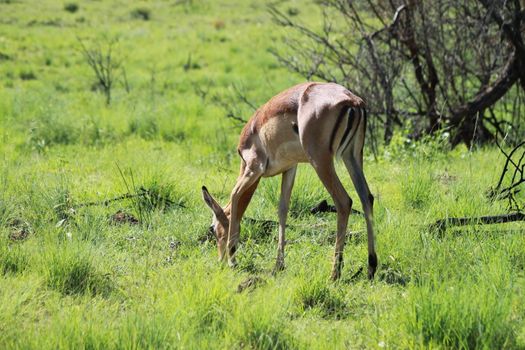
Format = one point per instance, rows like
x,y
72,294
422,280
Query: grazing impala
x,y
309,122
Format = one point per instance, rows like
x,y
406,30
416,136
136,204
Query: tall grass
x,y
81,280
72,270
417,187
475,317
318,296
13,258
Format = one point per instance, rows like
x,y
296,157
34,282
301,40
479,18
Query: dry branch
x,y
142,193
450,64
104,65
442,224
515,167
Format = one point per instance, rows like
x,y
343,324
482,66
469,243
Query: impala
x,y
309,122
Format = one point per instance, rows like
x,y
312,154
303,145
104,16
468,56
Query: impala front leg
x,y
284,204
241,192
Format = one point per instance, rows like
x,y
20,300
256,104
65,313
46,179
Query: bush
x,y
159,195
94,133
71,7
429,147
50,131
27,75
142,13
147,128
293,11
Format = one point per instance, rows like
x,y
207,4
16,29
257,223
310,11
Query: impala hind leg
x,y
284,204
355,168
324,166
239,199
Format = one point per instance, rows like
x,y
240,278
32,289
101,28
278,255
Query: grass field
x,y
71,277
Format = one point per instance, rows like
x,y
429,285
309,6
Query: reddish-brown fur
x,y
305,123
285,102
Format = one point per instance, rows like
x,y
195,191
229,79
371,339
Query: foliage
x,y
71,7
439,65
141,13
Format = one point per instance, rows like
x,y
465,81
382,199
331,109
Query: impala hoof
x,y
371,273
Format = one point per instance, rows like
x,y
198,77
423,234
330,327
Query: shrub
x,y
177,136
4,56
50,131
147,128
293,11
71,7
157,194
142,13
430,147
93,132
27,75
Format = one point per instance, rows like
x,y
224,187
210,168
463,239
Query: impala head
x,y
220,222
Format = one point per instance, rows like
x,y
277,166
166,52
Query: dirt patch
x,y
19,234
20,230
121,218
445,178
250,284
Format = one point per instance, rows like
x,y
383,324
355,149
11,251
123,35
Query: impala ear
x,y
211,202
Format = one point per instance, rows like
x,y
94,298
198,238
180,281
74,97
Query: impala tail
x,y
355,128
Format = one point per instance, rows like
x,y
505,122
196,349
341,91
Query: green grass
x,y
80,280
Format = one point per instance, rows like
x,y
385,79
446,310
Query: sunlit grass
x,y
71,276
